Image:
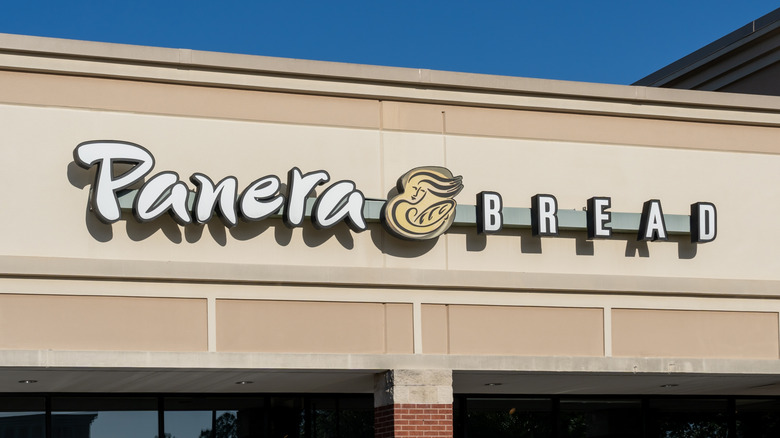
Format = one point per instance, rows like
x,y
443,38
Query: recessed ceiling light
x,y
493,384
669,385
26,381
244,382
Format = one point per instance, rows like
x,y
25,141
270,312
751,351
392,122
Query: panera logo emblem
x,y
424,207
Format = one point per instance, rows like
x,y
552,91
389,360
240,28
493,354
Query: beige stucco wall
x,y
313,327
517,168
677,333
462,294
504,330
68,322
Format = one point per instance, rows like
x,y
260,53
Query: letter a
x,y
652,225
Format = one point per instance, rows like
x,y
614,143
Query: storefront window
x,y
356,417
195,417
625,417
22,417
507,417
324,423
352,416
600,418
104,417
688,418
286,418
346,417
234,417
757,418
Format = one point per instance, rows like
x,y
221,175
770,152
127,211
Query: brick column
x,y
413,404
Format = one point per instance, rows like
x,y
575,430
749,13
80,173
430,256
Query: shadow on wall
x,y
396,247
530,244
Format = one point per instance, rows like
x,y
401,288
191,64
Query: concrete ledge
x,y
149,372
374,363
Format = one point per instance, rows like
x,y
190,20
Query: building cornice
x,y
191,67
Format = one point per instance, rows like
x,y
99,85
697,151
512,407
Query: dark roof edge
x,y
736,38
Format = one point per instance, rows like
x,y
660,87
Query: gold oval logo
x,y
423,208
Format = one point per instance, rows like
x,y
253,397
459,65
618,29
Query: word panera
x,y
164,192
423,208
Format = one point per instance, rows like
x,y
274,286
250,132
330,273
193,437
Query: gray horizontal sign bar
x,y
466,215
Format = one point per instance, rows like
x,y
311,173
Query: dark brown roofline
x,y
738,38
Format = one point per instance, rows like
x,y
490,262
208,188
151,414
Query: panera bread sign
x,y
423,208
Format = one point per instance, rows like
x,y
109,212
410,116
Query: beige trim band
x,y
192,272
183,100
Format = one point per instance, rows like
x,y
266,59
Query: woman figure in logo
x,y
424,207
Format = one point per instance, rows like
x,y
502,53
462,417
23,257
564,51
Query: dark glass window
x,y
624,417
185,416
356,417
351,416
600,418
234,417
269,416
215,417
688,418
104,417
285,417
343,417
757,418
324,418
22,417
508,417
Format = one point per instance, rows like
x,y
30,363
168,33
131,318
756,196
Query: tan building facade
x,y
135,307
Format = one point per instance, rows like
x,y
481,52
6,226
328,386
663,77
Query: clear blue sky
x,y
584,40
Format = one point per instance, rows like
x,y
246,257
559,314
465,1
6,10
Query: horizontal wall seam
x,y
550,300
